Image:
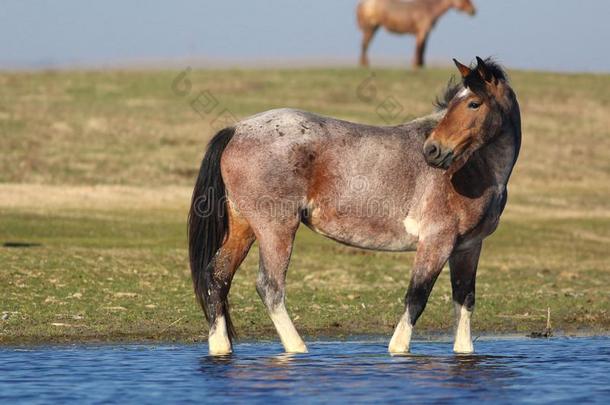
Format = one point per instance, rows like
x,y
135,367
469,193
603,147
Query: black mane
x,y
495,69
472,81
451,90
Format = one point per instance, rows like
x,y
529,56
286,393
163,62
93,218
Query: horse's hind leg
x,y
275,244
227,260
420,49
463,267
430,258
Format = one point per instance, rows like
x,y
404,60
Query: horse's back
x,y
398,16
292,143
286,134
285,128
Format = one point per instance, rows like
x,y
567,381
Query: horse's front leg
x,y
463,265
432,254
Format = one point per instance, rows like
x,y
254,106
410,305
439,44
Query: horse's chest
x,y
488,220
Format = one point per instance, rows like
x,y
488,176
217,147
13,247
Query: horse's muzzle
x,y
437,155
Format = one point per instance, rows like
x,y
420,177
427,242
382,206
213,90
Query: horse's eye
x,y
473,105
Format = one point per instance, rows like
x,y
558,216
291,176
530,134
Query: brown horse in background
x,y
436,185
416,17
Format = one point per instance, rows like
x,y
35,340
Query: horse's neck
x,y
439,7
427,122
500,156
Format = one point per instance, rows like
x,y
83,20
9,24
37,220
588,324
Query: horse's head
x,y
475,115
465,6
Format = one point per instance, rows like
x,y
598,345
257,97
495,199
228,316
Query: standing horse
x,y
441,180
416,17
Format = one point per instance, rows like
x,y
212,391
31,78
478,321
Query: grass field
x,y
96,170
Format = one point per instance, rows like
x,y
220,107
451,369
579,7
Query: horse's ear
x,y
483,70
464,70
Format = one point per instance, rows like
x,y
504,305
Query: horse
x,y
441,180
416,17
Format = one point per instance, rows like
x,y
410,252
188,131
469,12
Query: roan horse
x,y
441,178
416,17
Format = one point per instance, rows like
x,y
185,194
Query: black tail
x,y
207,228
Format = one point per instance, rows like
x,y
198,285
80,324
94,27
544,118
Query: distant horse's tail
x,y
208,226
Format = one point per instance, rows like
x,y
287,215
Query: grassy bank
x,y
95,178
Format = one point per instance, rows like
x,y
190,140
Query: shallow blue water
x,y
505,370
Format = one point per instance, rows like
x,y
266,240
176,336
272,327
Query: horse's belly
x,y
375,233
401,19
399,26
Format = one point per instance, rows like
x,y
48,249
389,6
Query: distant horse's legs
x,y
225,264
368,33
420,49
275,246
429,261
463,267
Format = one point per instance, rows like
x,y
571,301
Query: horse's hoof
x,y
220,351
396,354
465,349
219,346
296,349
396,350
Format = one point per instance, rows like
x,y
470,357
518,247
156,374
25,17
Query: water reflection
x,y
364,368
557,370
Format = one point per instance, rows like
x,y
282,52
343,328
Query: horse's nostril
x,y
431,150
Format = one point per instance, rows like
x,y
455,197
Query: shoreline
x,y
424,336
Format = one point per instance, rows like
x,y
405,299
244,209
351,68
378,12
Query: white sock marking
x,y
463,340
401,339
285,328
218,340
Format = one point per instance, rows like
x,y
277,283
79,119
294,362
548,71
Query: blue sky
x,y
563,35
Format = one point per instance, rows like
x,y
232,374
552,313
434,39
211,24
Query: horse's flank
x,y
353,183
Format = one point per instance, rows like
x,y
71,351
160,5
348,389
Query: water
x,y
503,370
